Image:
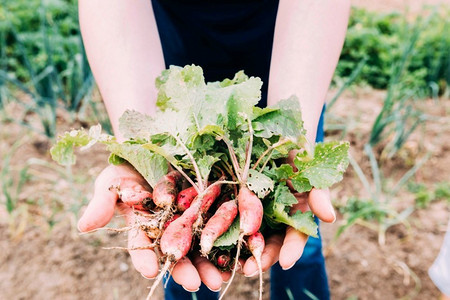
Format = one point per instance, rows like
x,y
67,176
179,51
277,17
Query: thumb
x,y
320,203
100,209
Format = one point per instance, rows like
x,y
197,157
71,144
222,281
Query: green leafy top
x,y
150,165
208,130
278,211
230,237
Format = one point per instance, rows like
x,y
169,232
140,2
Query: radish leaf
x,y
259,183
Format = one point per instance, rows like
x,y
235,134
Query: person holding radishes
x,y
293,46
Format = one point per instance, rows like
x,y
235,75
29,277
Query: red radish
x,y
250,218
207,200
223,260
185,198
250,211
256,246
176,239
137,199
174,217
217,225
166,190
210,197
164,194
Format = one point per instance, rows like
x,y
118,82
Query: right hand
x,y
101,209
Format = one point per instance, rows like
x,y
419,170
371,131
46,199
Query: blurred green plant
x,y
377,212
11,188
31,20
52,209
398,117
379,39
13,182
424,195
390,49
45,61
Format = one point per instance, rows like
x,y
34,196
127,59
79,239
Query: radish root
x,y
158,279
236,262
147,247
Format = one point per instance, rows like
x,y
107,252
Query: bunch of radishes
x,y
217,167
199,215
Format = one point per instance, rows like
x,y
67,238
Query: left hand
x,y
188,272
288,248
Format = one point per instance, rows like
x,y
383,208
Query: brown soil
x,y
43,257
357,264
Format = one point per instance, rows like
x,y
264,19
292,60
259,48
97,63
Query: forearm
x,y
124,52
308,39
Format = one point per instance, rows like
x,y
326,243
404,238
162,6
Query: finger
x,y
292,249
184,273
268,258
225,276
145,261
101,208
209,274
320,203
302,203
240,266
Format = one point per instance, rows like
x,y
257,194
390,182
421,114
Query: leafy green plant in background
x,y
389,52
46,61
26,18
377,211
11,188
424,195
398,118
379,38
12,183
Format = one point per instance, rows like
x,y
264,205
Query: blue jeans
x,y
307,279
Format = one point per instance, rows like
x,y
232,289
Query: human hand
x,y
287,248
187,272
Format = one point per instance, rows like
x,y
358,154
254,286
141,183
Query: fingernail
x,y
251,275
146,276
215,291
334,215
189,290
285,269
78,227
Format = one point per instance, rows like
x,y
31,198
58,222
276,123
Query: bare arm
x,y
124,51
308,39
